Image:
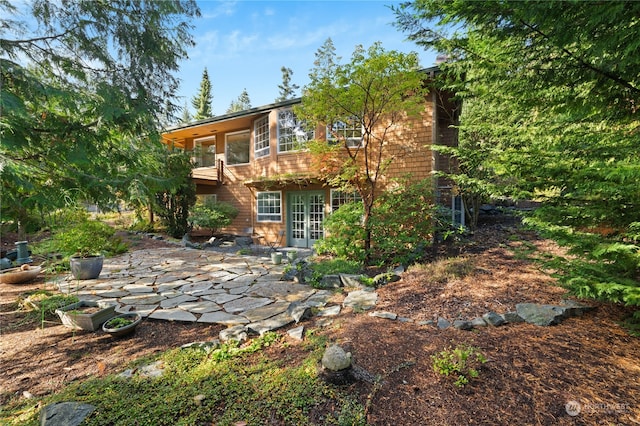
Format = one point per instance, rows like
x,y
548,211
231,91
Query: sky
x,y
243,44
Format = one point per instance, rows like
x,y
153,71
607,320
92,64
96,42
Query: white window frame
x,y
199,152
261,138
293,136
226,147
341,197
347,129
277,208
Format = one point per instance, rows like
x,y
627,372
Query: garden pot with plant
x,y
86,315
122,325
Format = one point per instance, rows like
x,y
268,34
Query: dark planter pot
x,y
125,330
86,268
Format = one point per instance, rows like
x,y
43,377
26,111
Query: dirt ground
x,y
531,375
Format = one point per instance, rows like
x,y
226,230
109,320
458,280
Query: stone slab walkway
x,y
181,284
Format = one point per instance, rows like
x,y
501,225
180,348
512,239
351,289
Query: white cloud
x,y
224,8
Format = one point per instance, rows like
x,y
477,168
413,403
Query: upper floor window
x,y
205,152
292,133
261,137
237,147
348,132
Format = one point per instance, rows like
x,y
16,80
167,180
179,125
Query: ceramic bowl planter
x,y
122,325
86,315
86,268
19,275
292,255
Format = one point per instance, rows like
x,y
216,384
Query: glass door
x,y
305,214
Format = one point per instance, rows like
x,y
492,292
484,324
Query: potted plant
x,y
276,257
122,325
87,241
86,315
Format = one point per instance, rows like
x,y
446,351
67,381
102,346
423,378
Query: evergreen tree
x,y
551,92
241,103
186,116
203,100
79,92
287,90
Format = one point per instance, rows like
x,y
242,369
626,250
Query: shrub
x,y
212,215
402,225
344,233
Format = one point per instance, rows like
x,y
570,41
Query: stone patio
x,y
182,284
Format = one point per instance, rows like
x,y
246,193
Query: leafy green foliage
x,y
74,234
375,91
344,234
551,94
332,267
82,85
173,204
402,225
212,215
460,362
239,384
243,102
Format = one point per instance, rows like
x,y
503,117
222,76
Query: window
x,y
292,134
269,206
457,210
237,147
349,132
261,137
339,198
207,198
205,152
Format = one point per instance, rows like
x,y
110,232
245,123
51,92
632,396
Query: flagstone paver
x,y
182,284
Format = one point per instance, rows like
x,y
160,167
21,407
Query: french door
x,y
305,214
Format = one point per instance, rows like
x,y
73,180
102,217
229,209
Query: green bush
x,y
344,233
402,224
212,215
84,238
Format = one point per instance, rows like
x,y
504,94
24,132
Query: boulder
x,y
65,413
335,358
493,319
463,325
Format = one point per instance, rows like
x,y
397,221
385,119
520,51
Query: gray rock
x,y
153,370
299,311
405,319
245,304
576,309
350,280
270,324
237,333
204,346
512,317
331,281
545,315
331,311
427,322
463,325
297,333
493,319
335,358
443,323
360,299
383,314
478,322
65,414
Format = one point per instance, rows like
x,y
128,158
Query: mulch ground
x,y
531,375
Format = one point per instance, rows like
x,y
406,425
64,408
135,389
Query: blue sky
x,y
243,44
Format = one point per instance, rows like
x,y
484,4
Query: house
x,y
254,160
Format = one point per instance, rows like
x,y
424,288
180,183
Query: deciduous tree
x,y
370,95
